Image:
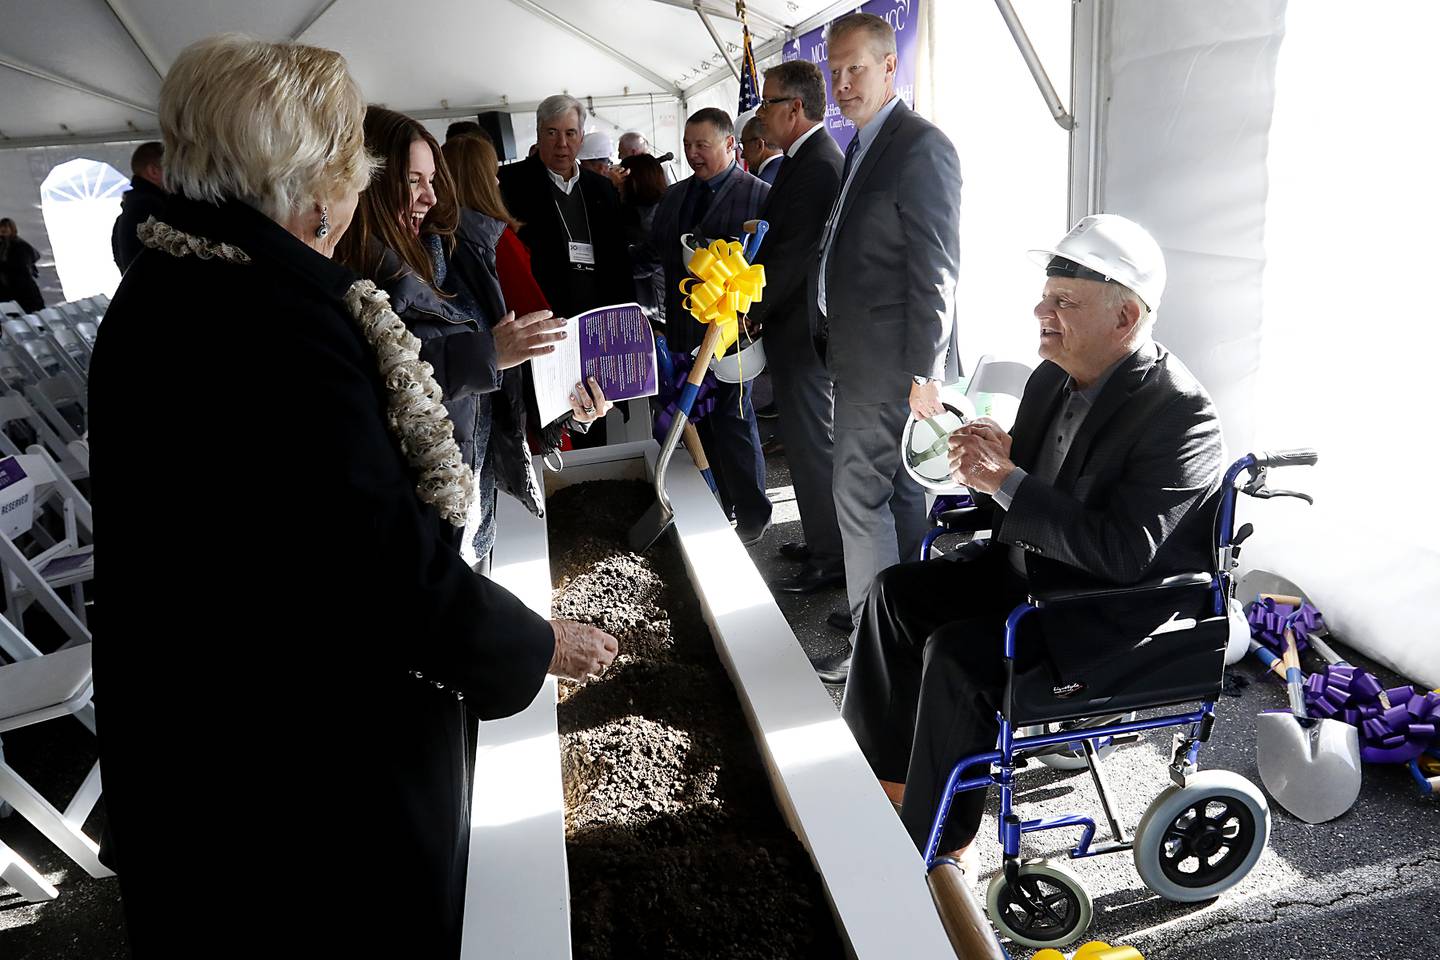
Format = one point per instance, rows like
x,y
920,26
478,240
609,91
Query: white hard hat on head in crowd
x,y
1111,249
596,146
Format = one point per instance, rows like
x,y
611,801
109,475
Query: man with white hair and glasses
x,y
570,220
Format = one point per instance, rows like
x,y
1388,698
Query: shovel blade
x,y
651,527
1311,769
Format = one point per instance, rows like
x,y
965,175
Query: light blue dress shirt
x,y
866,135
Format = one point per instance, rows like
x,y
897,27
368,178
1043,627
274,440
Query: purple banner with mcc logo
x,y
904,18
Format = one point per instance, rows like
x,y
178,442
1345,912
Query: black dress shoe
x,y
767,412
799,551
834,669
840,620
810,580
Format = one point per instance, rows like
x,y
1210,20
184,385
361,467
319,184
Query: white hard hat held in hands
x,y
1108,247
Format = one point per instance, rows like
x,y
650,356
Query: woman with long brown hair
x,y
473,165
436,260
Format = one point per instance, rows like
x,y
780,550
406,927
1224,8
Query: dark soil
x,y
675,845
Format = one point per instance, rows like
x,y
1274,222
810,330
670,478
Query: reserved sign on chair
x,y
17,498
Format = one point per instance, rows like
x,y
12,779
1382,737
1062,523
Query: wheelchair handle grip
x,y
1299,457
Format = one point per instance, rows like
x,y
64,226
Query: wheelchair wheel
x,y
1198,841
1070,759
1047,906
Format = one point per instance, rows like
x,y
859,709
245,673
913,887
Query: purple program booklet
x,y
612,344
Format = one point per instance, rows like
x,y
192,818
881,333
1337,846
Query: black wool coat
x,y
276,776
527,190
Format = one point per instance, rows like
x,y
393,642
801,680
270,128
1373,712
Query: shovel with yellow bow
x,y
723,285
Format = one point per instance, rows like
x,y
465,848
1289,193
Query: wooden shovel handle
x,y
1283,598
707,351
692,443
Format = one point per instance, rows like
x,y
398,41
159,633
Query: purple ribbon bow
x,y
1268,618
1395,734
669,394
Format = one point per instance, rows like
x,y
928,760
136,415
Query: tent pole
x,y
719,44
58,79
311,20
1037,69
127,23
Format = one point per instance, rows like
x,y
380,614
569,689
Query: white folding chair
x,y
18,418
9,308
58,329
32,691
47,564
1004,383
50,393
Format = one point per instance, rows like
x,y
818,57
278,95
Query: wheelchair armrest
x,y
966,519
1051,598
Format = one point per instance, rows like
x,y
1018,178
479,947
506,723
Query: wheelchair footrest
x,y
1100,849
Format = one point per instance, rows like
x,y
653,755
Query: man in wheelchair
x,y
1115,453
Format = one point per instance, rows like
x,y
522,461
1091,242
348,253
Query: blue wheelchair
x,y
1148,647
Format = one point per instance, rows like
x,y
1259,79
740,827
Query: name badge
x,y
582,256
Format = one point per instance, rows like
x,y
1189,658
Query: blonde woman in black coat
x,y
281,691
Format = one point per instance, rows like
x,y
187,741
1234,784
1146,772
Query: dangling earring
x,y
323,231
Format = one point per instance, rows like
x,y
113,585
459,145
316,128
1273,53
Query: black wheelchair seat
x,y
1122,649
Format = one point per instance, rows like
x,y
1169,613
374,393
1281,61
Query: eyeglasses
x,y
773,101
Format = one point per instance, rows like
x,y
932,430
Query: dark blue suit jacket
x,y
738,199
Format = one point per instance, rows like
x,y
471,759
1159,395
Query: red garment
x,y
517,284
523,295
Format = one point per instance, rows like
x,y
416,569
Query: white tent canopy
x,y
76,70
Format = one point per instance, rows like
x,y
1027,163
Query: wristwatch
x,y
921,381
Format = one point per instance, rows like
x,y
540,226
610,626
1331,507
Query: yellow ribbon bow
x,y
1094,950
723,287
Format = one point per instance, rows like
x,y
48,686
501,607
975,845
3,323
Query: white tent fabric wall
x,y
1345,364
1190,89
1281,239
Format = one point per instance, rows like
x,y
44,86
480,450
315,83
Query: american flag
x,y
749,82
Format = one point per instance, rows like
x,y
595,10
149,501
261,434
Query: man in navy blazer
x,y
762,152
884,298
713,204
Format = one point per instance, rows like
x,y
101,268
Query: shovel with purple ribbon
x,y
1310,766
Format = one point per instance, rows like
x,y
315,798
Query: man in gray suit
x,y
1106,481
885,293
793,108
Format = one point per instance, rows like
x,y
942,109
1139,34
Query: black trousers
x,y
927,679
805,399
731,440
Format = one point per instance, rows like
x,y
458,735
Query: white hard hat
x,y
738,365
596,146
924,444
1114,248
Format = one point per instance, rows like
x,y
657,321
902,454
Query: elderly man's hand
x,y
582,652
985,427
980,456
